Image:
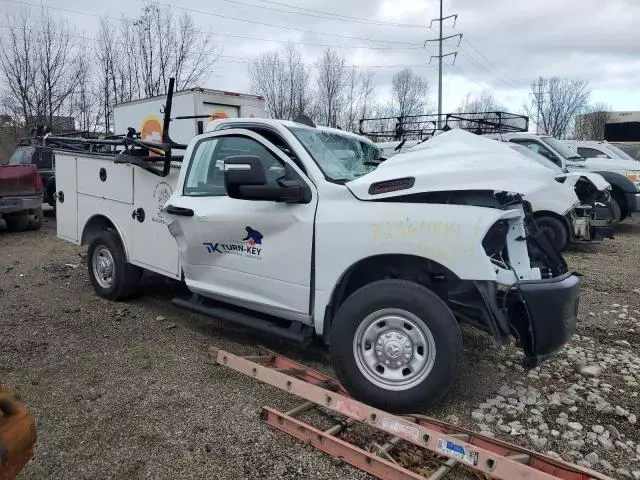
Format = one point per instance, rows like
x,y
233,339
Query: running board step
x,y
296,332
446,445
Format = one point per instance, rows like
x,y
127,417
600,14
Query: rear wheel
x,y
395,345
556,230
17,222
111,276
35,219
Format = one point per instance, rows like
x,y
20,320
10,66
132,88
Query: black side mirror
x,y
243,170
245,179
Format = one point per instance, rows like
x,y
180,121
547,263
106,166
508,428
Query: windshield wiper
x,y
576,157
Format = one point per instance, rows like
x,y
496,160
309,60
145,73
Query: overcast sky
x,y
506,44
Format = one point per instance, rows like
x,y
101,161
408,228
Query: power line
x,y
247,60
462,72
379,22
489,61
321,14
286,27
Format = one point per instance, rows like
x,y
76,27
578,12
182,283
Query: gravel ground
x,y
124,391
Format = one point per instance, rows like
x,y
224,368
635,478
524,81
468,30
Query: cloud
x,y
506,45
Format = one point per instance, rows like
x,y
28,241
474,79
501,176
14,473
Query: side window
x,y
205,175
590,152
540,149
44,159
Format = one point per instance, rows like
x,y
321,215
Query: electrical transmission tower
x,y
440,55
538,95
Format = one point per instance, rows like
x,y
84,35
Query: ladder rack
x,y
446,445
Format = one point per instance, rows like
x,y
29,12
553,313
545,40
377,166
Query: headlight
x,y
634,176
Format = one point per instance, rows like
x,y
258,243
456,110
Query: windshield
x,y
341,158
561,148
21,156
536,157
621,153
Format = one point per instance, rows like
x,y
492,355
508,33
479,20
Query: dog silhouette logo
x,y
253,237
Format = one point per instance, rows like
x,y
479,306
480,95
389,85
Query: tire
x,y
389,307
618,198
616,213
35,221
110,274
17,222
556,229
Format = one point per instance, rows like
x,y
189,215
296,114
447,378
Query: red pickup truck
x,y
21,197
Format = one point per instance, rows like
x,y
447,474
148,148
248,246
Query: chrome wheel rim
x,y
103,266
394,349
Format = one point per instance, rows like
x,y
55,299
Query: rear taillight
x,y
37,183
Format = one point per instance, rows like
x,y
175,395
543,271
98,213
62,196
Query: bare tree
x,y
359,88
85,104
479,107
57,58
283,80
410,93
169,47
589,125
556,101
268,79
38,64
330,84
483,102
19,68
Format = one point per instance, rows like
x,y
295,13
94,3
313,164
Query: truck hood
x,y
609,164
453,161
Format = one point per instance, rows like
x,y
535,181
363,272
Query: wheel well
x,y
94,226
416,269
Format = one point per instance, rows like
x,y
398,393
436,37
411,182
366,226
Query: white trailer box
x,y
146,115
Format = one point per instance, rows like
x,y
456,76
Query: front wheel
x,y
111,276
395,345
556,231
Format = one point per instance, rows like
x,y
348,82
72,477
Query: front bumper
x,y
633,201
543,315
18,204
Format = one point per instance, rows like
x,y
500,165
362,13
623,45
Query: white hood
x,y
610,164
457,160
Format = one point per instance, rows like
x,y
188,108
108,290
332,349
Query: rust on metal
x,y
17,436
458,447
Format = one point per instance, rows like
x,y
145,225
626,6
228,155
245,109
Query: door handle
x,y
173,210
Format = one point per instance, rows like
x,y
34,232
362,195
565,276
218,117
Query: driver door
x,y
252,253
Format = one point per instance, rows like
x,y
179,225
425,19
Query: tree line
x,y
50,72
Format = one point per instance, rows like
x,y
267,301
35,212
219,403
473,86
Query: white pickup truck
x,y
298,231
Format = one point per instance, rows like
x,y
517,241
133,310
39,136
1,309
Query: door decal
x,y
249,247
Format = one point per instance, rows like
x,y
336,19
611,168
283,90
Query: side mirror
x,y
243,170
245,179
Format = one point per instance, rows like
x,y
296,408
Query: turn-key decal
x,y
249,247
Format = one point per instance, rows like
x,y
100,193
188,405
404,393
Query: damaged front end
x,y
592,220
534,297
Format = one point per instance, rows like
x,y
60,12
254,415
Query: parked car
x,y
623,175
594,149
21,197
27,152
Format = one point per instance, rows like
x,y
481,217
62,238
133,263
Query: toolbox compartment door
x,y
67,198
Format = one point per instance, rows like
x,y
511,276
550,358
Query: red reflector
x,y
391,185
